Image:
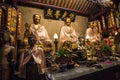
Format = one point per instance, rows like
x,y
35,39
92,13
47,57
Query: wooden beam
x,y
37,4
101,12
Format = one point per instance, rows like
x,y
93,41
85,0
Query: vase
x,y
63,67
70,65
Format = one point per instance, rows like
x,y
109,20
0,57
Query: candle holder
x,y
54,66
56,42
56,45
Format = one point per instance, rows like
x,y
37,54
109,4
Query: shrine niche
x,y
77,52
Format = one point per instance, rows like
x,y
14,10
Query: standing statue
x,y
32,63
7,57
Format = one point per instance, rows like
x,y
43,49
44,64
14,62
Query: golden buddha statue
x,y
90,34
38,30
41,34
67,33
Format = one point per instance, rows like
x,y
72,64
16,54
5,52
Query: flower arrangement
x,y
67,51
63,52
106,50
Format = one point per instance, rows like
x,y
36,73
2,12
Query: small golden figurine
x,y
49,13
57,14
72,16
112,43
64,15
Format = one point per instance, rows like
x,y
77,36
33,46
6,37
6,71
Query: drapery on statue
x,y
38,30
67,33
32,63
41,33
69,41
92,32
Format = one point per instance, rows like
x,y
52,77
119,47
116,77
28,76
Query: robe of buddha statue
x,y
38,30
67,33
32,62
40,33
90,34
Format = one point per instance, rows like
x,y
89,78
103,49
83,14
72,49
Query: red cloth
x,y
107,41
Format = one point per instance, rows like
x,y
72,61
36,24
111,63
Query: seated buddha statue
x,y
40,32
90,34
67,33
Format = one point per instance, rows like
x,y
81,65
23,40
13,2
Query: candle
x,y
56,41
55,36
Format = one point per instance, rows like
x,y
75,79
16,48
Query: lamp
x,y
56,41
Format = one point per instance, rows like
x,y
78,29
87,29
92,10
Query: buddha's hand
x,y
42,37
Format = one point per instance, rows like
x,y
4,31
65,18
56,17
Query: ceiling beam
x,y
101,12
38,4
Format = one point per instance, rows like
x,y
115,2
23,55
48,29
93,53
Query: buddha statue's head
x,y
90,25
68,21
36,18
